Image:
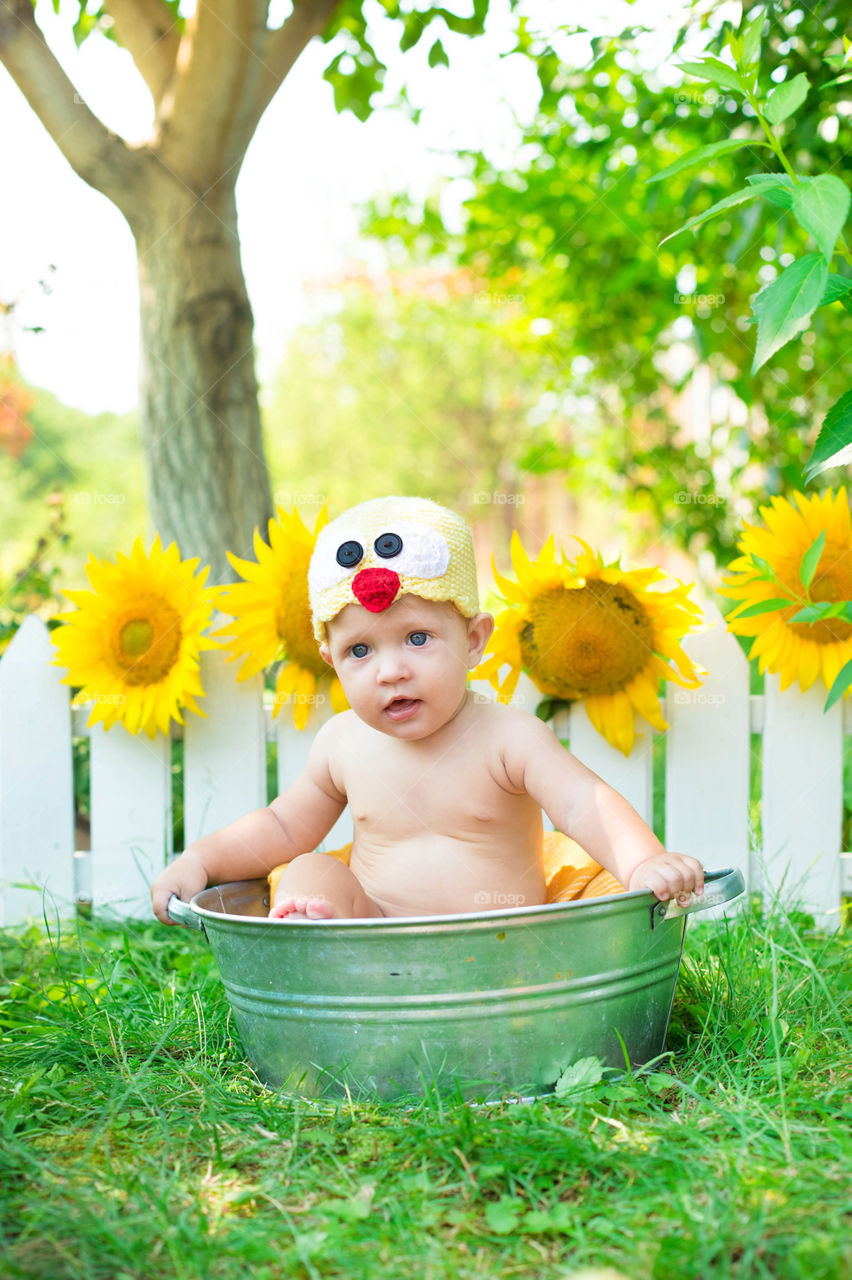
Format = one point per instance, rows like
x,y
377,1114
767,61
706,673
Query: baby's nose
x,y
391,666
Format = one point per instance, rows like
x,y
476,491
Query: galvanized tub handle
x,y
182,913
719,887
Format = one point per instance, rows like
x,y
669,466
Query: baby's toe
x,y
318,909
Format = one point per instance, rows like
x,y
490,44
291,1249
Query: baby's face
x,y
404,670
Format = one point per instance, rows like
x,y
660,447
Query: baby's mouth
x,y
402,708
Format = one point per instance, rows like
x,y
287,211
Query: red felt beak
x,y
375,589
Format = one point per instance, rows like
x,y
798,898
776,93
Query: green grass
x,y
135,1141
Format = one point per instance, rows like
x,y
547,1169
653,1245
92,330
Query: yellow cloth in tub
x,y
569,872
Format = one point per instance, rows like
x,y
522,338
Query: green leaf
x,y
438,55
833,447
729,202
784,307
819,612
786,98
821,206
777,188
841,684
837,287
751,39
583,1074
693,159
764,606
504,1216
548,707
810,560
764,568
716,72
415,25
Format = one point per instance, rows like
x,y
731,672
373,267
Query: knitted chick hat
x,y
388,547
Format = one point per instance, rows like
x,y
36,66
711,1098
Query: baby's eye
x,y
418,638
359,650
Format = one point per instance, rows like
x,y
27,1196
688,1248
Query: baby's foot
x,y
303,907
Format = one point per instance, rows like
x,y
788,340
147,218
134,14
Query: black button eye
x,y
349,553
387,545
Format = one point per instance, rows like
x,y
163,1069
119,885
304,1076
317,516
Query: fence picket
x,y
802,808
36,778
631,775
131,804
224,750
708,753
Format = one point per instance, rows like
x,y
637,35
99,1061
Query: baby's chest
x,y
407,800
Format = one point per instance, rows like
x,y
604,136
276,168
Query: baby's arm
x,y
295,822
582,805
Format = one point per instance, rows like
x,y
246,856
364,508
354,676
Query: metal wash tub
x,y
485,1002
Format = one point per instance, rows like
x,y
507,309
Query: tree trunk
x,y
208,483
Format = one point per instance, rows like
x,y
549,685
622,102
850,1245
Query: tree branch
x,y
281,49
308,19
99,156
220,44
146,29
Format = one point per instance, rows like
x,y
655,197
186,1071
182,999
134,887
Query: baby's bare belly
x,y
441,876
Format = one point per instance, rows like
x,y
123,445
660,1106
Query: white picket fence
x,y
708,757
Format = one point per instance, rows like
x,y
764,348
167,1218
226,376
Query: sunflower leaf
x,y
834,442
763,606
777,188
764,568
838,287
717,72
693,159
784,307
816,612
821,206
841,684
810,559
548,707
786,98
729,202
751,39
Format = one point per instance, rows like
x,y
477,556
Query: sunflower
x,y
133,642
590,631
771,583
272,616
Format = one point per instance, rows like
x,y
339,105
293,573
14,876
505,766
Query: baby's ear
x,y
479,631
325,654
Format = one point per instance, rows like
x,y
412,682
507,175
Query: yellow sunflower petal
x,y
801,652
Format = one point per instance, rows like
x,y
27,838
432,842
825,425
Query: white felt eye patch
x,y
424,553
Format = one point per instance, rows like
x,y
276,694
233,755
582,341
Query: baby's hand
x,y
185,877
669,875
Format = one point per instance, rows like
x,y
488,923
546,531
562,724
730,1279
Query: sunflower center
x,y
147,645
136,637
585,641
832,583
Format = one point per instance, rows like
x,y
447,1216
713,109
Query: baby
x,y
445,788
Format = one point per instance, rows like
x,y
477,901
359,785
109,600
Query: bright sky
x,y
305,171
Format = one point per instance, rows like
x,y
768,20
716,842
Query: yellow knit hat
x,y
388,547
